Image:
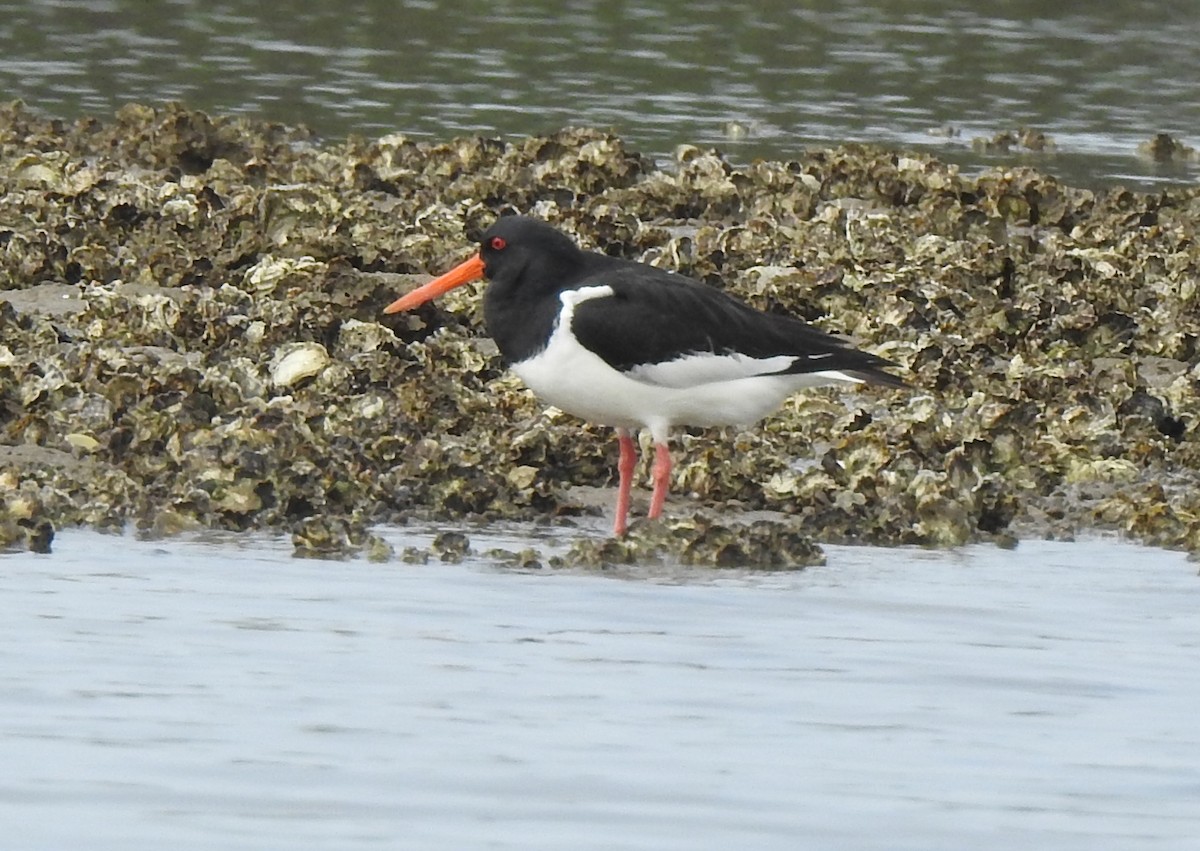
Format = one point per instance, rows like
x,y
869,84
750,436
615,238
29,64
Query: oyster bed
x,y
191,338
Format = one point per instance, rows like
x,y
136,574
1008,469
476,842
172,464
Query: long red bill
x,y
465,272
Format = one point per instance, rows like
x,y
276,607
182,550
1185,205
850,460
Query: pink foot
x,y
625,466
662,478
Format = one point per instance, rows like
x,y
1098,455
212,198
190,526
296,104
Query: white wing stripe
x,y
570,298
696,369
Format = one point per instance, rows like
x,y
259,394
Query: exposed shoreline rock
x,y
159,269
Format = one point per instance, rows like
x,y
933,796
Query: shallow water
x,y
195,695
1098,77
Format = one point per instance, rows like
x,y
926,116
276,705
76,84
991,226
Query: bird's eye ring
x,y
497,243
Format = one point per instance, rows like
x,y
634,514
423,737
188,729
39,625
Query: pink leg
x,y
662,478
625,472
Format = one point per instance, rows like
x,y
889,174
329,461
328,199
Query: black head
x,y
525,253
527,263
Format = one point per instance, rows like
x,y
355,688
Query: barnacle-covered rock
x,y
191,337
1165,148
451,546
322,537
700,540
1023,137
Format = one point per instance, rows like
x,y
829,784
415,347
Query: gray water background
x,y
1100,78
191,695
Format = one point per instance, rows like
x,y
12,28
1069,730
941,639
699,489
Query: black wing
x,y
656,319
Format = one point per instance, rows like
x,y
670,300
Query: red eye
x,y
497,243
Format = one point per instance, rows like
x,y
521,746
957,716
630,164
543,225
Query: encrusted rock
x,y
191,337
699,540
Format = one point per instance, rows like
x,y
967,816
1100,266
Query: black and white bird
x,y
631,346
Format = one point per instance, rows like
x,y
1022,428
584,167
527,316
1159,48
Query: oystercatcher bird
x,y
632,346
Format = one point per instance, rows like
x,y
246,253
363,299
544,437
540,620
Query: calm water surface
x,y
1099,77
188,695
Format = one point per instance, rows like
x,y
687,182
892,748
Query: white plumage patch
x,y
570,298
833,375
706,367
